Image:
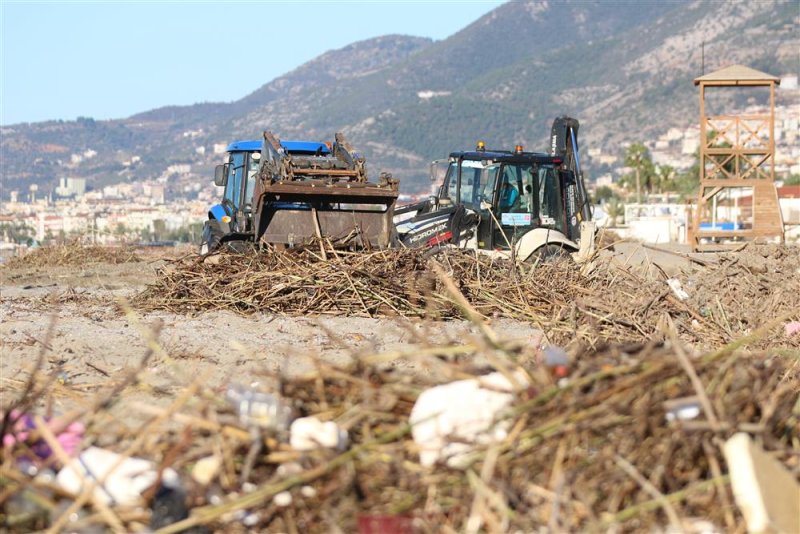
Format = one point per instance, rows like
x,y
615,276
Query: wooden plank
x,y
765,492
732,182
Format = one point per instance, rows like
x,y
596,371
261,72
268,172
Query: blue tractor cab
x,y
234,214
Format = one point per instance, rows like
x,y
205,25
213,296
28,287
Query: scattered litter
x,y
23,425
683,409
675,285
258,409
792,328
557,360
309,433
206,469
766,493
251,520
168,506
448,420
385,524
616,402
124,478
282,499
555,467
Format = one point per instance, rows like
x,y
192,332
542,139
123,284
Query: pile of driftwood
x,y
744,289
588,305
74,253
629,439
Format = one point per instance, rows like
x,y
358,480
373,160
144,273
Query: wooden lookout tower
x,y
737,197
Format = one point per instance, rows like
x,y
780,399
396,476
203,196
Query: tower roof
x,y
737,73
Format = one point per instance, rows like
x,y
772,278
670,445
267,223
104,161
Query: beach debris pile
x,y
74,253
583,306
632,437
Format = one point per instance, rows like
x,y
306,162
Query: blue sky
x,y
113,59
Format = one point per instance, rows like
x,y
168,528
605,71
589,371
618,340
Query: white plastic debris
x,y
675,285
448,419
309,433
125,478
682,409
251,520
206,469
282,499
684,413
257,409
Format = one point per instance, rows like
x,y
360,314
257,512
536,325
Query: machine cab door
x,y
515,203
232,198
471,184
550,200
253,165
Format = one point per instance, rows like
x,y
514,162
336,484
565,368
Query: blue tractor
x,y
288,193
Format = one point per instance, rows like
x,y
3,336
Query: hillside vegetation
x,y
625,69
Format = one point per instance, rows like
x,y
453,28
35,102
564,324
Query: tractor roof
x,y
292,147
244,146
505,156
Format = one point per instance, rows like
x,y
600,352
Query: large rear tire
x,y
212,234
549,252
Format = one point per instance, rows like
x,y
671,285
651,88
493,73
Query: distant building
x,y
71,187
690,145
604,180
426,95
673,134
788,82
182,168
155,191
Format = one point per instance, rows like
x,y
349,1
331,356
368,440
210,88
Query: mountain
x,y
625,69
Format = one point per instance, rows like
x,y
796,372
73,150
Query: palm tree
x,y
637,157
664,178
615,209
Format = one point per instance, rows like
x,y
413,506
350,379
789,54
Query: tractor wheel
x,y
212,234
549,252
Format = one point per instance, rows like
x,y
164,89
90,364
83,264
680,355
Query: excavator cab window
x,y
233,189
514,208
515,189
451,182
253,164
470,183
476,183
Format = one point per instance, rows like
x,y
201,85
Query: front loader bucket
x,y
355,215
